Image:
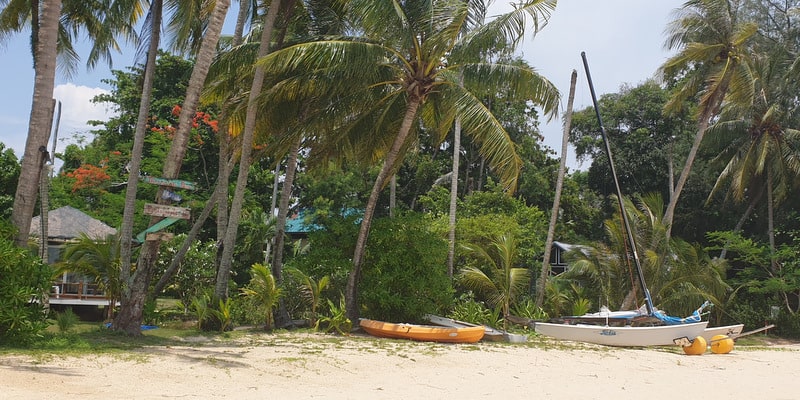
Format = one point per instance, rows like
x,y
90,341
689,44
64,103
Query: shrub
x,y
66,320
405,274
23,286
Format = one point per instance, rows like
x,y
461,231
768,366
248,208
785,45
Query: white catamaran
x,y
645,327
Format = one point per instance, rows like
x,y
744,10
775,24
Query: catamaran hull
x,y
625,336
731,331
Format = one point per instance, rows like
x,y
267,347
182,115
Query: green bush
x,y
24,282
468,309
66,320
787,325
405,273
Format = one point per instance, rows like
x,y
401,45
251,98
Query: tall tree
x,y
223,274
760,149
134,283
52,49
551,230
130,316
45,52
711,40
401,70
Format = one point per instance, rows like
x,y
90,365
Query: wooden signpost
x,y
164,236
158,210
174,183
171,214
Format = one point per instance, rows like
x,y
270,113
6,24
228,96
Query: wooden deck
x,y
79,293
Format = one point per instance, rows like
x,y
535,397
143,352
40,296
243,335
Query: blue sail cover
x,y
669,320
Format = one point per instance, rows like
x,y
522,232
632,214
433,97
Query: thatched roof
x,y
68,223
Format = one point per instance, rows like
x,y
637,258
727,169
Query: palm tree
x,y
44,56
263,291
130,316
97,259
504,283
248,133
51,39
400,73
678,274
760,151
134,285
311,290
712,41
551,229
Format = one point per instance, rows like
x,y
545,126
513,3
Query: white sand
x,y
304,366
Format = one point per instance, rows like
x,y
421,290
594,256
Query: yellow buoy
x,y
721,344
698,347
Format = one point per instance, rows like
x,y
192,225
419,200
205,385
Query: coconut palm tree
x,y
54,25
497,279
711,40
678,274
399,73
134,285
263,291
248,133
99,260
760,149
137,282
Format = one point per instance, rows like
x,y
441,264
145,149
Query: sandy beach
x,y
307,365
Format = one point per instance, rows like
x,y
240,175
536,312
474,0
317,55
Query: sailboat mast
x,y
625,222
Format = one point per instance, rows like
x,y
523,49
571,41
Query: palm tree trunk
x,y
451,235
771,223
223,274
172,165
208,49
129,318
272,206
45,52
562,167
177,260
282,316
351,293
704,119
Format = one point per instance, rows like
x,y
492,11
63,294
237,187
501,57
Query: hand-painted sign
x,y
175,183
158,210
164,236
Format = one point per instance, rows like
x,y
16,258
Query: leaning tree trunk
x,y
137,292
282,316
44,57
129,317
223,136
562,167
177,260
704,119
224,271
351,293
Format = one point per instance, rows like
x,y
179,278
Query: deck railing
x,y
76,290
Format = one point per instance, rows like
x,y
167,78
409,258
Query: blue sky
x,y
623,40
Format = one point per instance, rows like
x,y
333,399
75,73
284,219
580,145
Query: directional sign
x,y
163,236
176,183
155,228
158,210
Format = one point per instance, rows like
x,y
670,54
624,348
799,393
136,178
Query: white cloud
x,y
77,108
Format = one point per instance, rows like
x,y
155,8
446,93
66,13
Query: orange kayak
x,y
426,333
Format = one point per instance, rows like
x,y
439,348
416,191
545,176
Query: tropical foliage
x,y
353,113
